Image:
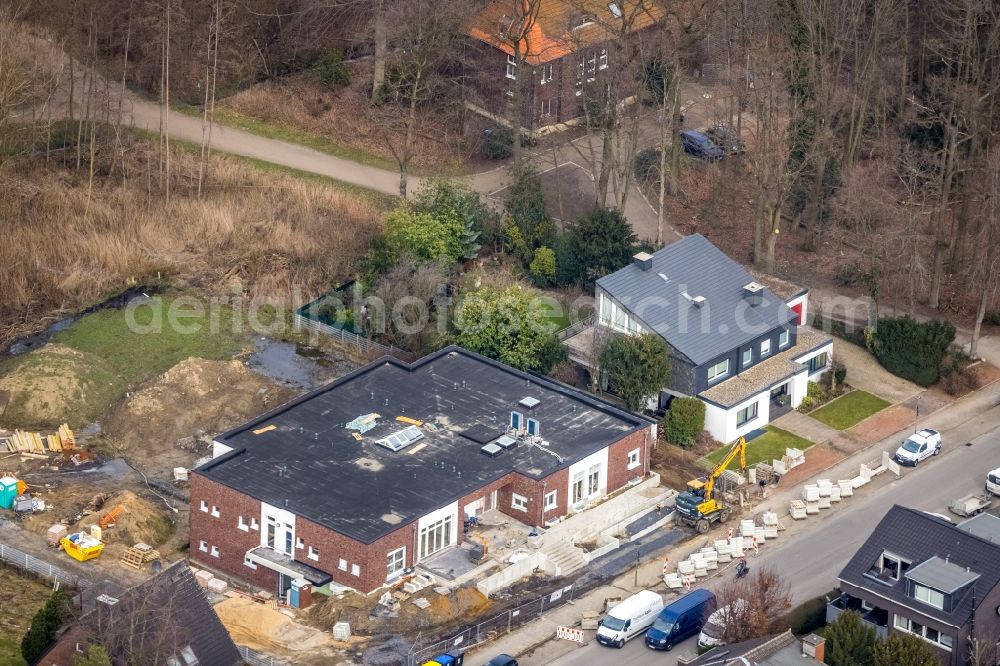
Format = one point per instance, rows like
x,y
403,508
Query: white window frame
x,y
519,502
546,72
247,562
533,428
747,357
765,347
300,544
254,525
342,564
783,339
313,554
594,480
242,524
715,374
546,107
581,68
902,623
550,501
215,511
929,596
511,67
214,552
203,546
592,66
356,570
395,563
204,506
603,59
633,458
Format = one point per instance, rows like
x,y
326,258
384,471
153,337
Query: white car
x,y
993,482
918,446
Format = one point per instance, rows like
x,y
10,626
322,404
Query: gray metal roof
x,y
941,575
985,526
917,536
662,297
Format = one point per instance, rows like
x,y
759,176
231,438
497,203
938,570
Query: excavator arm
x,y
740,449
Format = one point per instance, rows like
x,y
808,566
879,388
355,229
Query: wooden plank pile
x,y
35,444
139,554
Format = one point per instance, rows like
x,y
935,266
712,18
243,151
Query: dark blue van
x,y
680,619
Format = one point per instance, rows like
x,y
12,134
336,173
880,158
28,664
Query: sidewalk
x,y
532,636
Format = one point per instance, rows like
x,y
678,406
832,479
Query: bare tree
x,y
516,32
985,275
754,605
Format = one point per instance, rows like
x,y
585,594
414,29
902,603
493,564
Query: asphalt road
x,y
812,558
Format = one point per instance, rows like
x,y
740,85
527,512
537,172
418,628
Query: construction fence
x,y
26,562
493,628
364,346
254,658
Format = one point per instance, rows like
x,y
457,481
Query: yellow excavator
x,y
698,506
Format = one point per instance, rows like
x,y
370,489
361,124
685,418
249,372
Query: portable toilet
x,y
300,594
8,492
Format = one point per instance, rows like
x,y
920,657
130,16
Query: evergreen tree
x,y
901,649
849,641
44,626
636,367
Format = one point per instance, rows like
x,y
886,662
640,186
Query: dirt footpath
x,y
865,373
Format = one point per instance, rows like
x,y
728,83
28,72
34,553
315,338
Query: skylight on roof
x,y
400,440
663,277
529,402
615,10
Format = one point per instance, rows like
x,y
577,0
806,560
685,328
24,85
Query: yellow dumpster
x,y
81,546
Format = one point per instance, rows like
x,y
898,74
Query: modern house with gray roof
x,y
733,342
921,574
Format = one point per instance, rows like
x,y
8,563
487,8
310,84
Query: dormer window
x,y
582,21
890,567
929,596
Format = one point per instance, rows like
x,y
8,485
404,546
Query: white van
x,y
715,626
629,618
993,481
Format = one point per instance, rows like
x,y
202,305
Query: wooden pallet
x,y
133,557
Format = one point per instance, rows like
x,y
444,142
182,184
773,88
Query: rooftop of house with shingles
x,y
306,457
766,374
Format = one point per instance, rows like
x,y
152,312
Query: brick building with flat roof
x,y
358,481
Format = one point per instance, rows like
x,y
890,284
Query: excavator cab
x,y
698,506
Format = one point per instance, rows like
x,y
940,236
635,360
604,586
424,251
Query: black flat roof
x,y
303,458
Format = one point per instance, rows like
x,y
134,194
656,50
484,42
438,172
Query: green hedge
x,y
685,421
911,349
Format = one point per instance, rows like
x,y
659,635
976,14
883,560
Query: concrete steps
x,y
564,557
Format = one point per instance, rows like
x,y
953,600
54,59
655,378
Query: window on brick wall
x,y
342,565
550,500
242,524
204,506
202,546
633,459
603,60
395,562
313,553
215,551
519,502
254,525
591,66
215,511
249,563
511,67
355,570
299,543
546,73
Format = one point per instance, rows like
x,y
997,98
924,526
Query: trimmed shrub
x,y
685,421
543,267
331,69
44,625
911,349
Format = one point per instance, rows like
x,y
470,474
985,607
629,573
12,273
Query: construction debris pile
x,y
38,445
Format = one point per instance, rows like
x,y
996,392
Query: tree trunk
x,y
380,50
407,155
675,144
980,315
774,219
515,105
660,213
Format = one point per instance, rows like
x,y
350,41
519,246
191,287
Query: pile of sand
x,y
142,520
56,384
263,628
194,396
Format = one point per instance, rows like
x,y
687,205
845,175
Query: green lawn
x,y
769,446
849,409
136,343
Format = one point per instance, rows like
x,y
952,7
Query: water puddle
x,y
289,363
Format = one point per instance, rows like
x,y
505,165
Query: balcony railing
x,y
877,618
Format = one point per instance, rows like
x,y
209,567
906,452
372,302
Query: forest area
x,y
871,127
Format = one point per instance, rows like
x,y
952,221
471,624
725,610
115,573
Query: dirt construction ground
x,y
169,422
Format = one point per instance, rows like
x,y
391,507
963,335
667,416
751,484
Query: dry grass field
x,y
260,234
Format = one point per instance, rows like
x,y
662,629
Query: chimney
x,y
814,646
753,293
643,260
